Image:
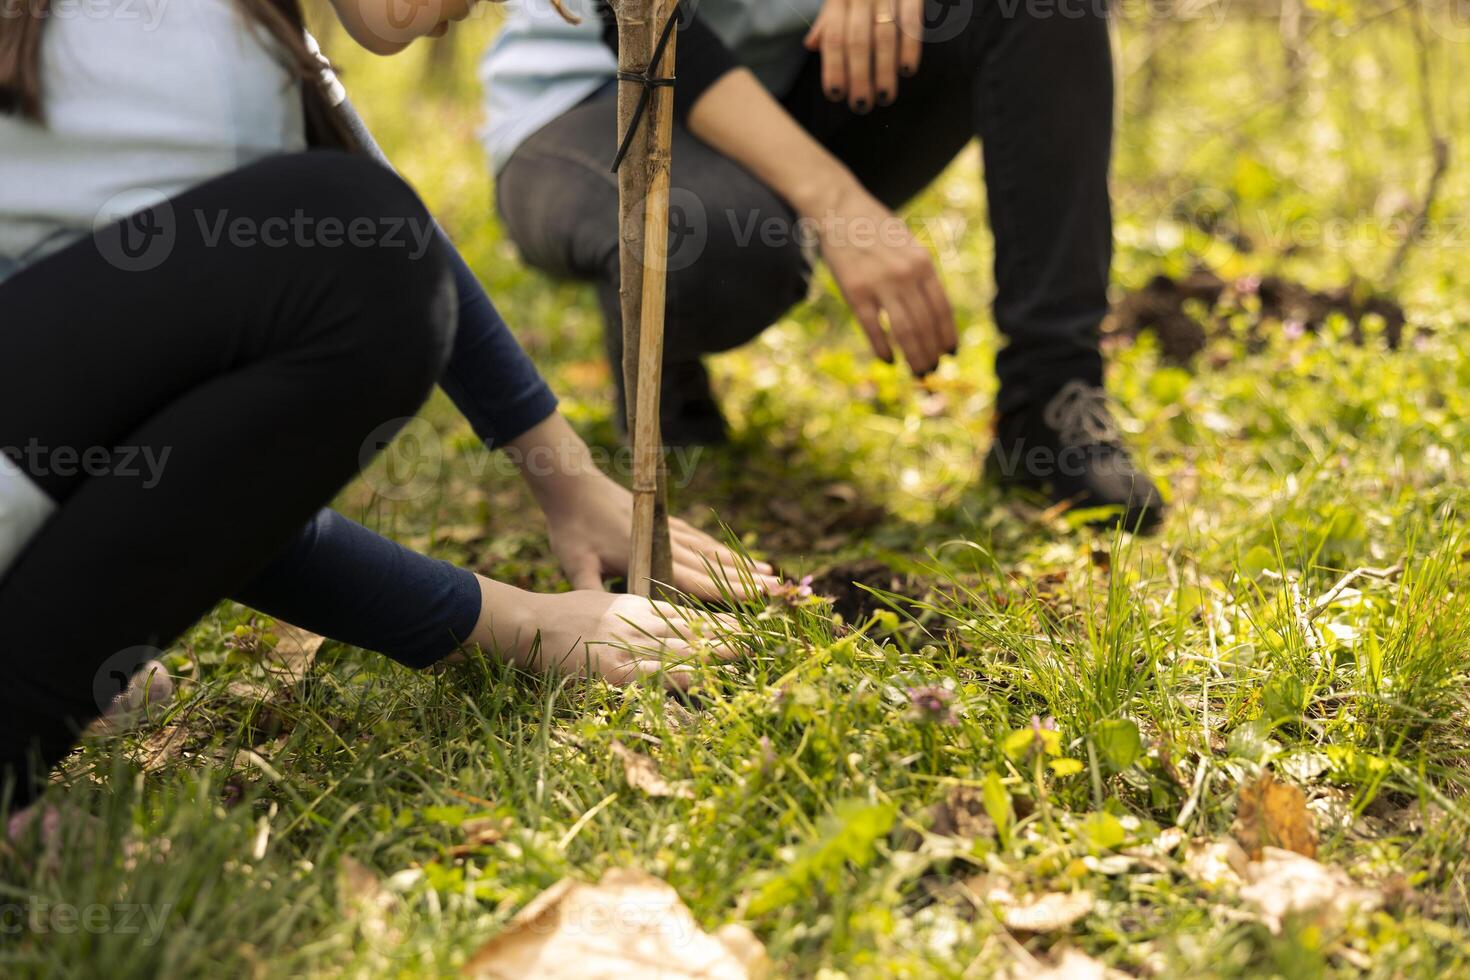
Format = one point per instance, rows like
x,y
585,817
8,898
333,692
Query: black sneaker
x,y
689,416
1071,450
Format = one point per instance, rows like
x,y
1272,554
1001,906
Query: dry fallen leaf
x,y
291,658
962,814
1070,964
1215,862
1274,814
642,774
161,748
629,924
1284,882
479,833
362,898
1051,912
460,533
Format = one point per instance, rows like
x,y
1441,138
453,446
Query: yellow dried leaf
x,y
1274,814
1051,912
629,924
642,774
479,833
462,534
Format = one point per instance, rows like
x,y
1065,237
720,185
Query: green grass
x,y
813,781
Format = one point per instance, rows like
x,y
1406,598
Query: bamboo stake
x,y
643,193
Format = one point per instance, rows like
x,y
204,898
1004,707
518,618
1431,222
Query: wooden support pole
x,y
643,193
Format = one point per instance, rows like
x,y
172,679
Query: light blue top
x,y
540,66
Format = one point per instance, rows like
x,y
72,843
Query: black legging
x,y
260,369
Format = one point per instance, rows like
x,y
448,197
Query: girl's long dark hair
x,y
22,23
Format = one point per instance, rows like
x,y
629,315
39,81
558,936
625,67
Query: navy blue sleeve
x,y
489,377
341,580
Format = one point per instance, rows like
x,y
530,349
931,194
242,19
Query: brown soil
x,y
843,584
1184,314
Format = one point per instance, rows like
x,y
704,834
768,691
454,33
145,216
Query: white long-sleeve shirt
x,y
143,99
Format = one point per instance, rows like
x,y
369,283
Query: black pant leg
x,y
262,371
1035,84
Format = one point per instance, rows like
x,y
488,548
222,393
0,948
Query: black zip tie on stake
x,y
649,82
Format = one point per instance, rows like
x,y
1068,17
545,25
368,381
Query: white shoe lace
x,y
1079,415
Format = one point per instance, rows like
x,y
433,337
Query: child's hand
x,y
615,638
589,519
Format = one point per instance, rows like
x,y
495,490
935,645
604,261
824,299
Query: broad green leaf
x,y
1284,698
1257,561
1018,743
1119,742
1251,740
1103,831
849,836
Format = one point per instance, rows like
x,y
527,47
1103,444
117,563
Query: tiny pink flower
x,y
931,705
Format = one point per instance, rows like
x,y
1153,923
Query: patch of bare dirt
x,y
1186,313
844,585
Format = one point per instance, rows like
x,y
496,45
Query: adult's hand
x,y
888,279
866,46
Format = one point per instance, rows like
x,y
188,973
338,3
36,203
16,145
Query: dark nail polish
x,y
834,93
908,71
954,350
861,106
885,98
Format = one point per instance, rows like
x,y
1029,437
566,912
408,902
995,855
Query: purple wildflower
x,y
932,705
793,591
